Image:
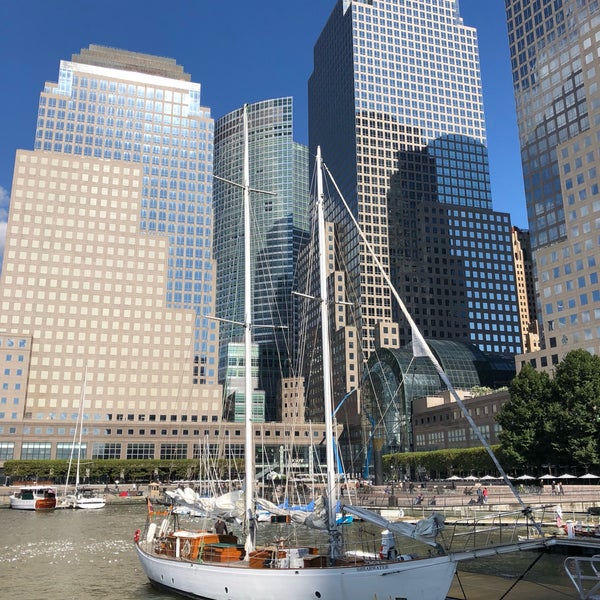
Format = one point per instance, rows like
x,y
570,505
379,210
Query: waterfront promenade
x,y
437,496
457,503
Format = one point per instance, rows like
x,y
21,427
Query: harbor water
x,y
70,554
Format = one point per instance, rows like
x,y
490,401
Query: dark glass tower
x,y
395,102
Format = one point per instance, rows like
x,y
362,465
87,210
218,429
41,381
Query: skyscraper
x,y
108,263
554,49
279,220
395,102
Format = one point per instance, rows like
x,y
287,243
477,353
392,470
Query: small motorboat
x,y
34,497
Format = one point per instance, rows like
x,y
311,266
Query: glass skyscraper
x,y
554,50
395,102
279,221
108,266
117,105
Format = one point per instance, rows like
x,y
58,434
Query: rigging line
x,y
520,578
306,283
424,348
394,394
187,361
460,584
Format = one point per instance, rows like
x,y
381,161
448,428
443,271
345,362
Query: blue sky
x,y
238,51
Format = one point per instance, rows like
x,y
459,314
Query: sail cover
x,y
425,530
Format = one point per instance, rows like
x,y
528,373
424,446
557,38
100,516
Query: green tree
x,y
526,432
577,416
555,421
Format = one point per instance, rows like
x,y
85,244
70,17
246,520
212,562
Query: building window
x,y
7,450
68,450
173,451
139,450
106,451
36,450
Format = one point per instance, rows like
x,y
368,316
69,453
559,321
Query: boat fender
x,y
162,532
136,536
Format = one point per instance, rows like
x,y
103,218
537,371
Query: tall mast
x,y
80,418
326,359
249,445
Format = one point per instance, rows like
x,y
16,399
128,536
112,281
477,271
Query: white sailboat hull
x,y
419,579
90,503
83,501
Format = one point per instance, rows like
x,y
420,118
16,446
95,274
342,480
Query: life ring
x,y
136,536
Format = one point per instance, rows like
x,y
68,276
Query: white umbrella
x,y
525,477
547,477
453,478
471,478
567,476
489,478
589,476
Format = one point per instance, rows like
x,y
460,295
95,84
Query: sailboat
x,y
217,567
81,497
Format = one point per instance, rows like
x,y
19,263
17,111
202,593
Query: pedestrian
x,y
484,493
553,489
559,488
221,527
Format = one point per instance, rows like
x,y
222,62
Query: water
x,y
69,554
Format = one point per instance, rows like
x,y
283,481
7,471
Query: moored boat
x,y
81,497
85,498
34,497
186,562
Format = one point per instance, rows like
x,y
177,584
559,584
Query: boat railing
x,y
488,529
584,573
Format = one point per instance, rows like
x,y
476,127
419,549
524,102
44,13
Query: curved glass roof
x,y
394,378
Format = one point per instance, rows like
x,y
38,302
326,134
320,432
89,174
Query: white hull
x,y
32,498
19,504
82,501
90,503
419,579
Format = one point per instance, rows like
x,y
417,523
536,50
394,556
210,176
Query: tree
x,y
554,421
524,426
577,395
